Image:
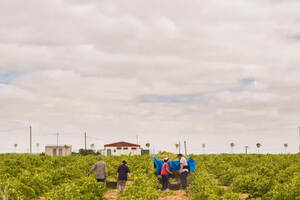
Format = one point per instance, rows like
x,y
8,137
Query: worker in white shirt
x,y
184,171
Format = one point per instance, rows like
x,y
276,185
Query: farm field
x,y
224,177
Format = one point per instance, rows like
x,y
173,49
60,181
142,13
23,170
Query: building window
x,y
133,148
125,148
60,151
119,148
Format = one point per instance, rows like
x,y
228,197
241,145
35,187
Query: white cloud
x,y
85,65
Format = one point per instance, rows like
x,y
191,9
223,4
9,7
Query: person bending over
x,y
184,171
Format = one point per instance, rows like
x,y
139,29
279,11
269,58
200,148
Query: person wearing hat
x,y
184,171
123,173
101,170
165,171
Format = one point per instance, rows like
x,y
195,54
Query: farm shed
x,y
60,150
121,148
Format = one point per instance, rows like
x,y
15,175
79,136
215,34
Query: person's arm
x,y
118,172
128,172
168,169
92,169
181,167
106,172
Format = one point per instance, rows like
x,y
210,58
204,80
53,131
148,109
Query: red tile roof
x,y
122,144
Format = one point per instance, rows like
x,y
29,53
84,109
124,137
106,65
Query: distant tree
x,y
177,146
87,152
82,152
92,146
203,146
148,145
15,146
258,145
232,146
286,145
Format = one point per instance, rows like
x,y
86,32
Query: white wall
x,y
122,151
66,151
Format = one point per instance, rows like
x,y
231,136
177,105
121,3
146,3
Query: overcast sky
x,y
210,72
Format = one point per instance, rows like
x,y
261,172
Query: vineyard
x,y
220,177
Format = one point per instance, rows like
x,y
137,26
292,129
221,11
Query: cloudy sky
x,y
210,72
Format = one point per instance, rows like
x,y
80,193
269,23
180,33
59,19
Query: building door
x,y
109,152
54,152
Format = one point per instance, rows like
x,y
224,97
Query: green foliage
x,y
31,176
287,191
254,184
205,187
80,189
84,152
15,189
143,188
266,177
227,176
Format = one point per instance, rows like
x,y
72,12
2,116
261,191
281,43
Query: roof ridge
x,y
122,143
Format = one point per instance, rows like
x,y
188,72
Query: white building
x,y
121,148
54,150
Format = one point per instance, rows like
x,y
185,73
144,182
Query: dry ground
x,y
111,194
175,195
170,195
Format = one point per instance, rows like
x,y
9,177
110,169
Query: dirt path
x,y
169,195
175,195
111,194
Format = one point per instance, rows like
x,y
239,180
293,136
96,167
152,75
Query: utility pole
x,y
179,147
137,139
57,134
30,129
246,149
185,152
85,140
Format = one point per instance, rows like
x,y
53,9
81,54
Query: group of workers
x,y
183,171
123,173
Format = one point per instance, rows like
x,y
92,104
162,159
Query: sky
x,y
211,72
